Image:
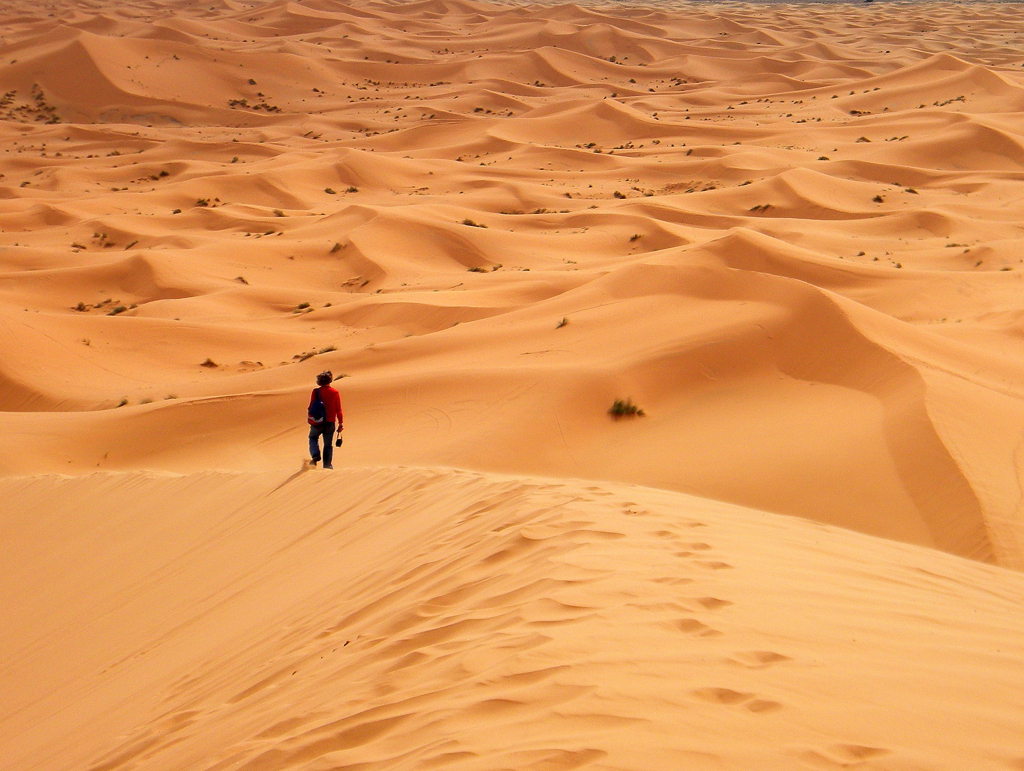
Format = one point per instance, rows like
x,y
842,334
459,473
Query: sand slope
x,y
413,619
791,234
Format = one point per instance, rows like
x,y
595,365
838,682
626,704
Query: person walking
x,y
324,414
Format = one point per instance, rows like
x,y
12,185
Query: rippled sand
x,y
790,234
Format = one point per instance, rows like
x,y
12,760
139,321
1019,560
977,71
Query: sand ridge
x,y
415,618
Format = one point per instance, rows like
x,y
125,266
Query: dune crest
x,y
423,617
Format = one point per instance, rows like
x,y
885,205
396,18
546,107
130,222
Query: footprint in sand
x,y
713,603
758,659
696,628
712,564
673,580
671,534
687,549
730,698
840,756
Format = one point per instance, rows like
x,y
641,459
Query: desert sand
x,y
793,235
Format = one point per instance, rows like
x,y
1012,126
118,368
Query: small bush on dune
x,y
624,408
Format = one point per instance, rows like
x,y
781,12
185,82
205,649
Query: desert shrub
x,y
624,408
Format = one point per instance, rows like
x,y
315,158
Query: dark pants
x,y
326,430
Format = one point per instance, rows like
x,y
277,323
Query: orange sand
x,y
791,234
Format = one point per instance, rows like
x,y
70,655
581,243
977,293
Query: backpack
x,y
315,413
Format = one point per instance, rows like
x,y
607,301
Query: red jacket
x,y
332,403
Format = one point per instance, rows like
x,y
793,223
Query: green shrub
x,y
624,408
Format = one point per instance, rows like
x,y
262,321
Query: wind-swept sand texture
x,y
416,619
792,234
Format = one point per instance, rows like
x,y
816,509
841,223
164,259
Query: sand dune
x,y
390,618
323,158
791,234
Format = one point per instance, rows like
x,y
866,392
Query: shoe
x,y
314,461
330,467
